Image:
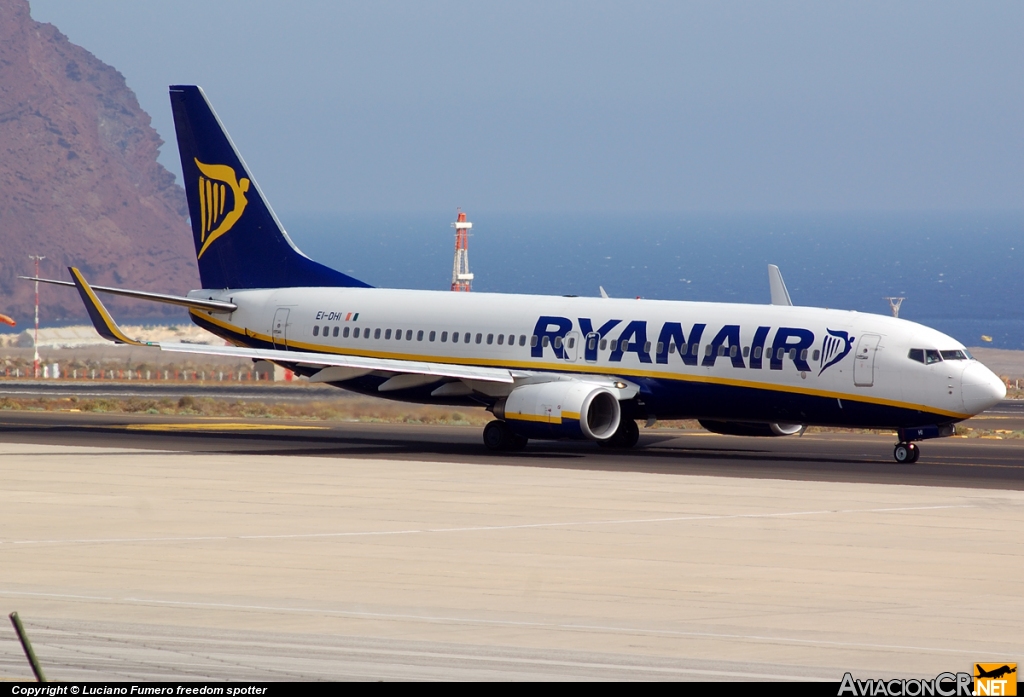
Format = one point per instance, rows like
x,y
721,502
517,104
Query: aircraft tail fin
x,y
239,241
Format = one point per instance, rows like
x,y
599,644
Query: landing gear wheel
x,y
625,436
499,437
517,442
906,453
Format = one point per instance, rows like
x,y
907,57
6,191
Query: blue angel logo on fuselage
x,y
834,348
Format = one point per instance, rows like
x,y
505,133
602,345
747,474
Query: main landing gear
x,y
906,453
499,438
625,436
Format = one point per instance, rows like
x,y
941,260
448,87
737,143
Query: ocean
x,y
961,273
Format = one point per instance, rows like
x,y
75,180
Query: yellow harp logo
x,y
213,190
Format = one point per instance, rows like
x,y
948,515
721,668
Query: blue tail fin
x,y
239,241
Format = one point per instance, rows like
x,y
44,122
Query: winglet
x,y
780,296
101,319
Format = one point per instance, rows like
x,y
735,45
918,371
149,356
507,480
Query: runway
x,y
148,547
837,457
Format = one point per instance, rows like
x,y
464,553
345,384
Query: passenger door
x,y
864,363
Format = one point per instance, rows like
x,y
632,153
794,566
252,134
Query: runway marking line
x,y
221,427
757,638
486,528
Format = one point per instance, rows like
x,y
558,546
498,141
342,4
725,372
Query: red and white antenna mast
x,y
461,277
35,340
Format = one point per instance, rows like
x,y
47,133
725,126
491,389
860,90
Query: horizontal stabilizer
x,y
197,303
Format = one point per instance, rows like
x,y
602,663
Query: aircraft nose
x,y
982,388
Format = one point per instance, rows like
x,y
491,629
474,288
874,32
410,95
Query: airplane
x,y
546,367
995,673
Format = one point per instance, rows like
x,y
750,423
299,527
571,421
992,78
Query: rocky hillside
x,y
79,179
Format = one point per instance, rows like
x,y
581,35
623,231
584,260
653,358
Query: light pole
x,y
35,340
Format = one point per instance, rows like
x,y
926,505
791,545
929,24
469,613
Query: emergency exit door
x,y
280,328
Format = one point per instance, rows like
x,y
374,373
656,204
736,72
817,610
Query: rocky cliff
x,y
79,179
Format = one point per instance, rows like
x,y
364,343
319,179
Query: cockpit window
x,y
953,355
931,356
916,355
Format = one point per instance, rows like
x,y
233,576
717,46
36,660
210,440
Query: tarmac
x,y
177,549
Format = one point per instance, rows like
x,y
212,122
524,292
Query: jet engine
x,y
744,428
561,409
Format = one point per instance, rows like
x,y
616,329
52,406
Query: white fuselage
x,y
692,359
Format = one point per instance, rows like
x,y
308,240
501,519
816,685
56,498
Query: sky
x,y
590,106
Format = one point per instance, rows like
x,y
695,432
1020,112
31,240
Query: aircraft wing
x,y
326,360
108,329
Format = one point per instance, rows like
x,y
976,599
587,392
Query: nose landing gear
x,y
906,453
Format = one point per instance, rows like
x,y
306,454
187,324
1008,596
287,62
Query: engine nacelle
x,y
561,409
744,428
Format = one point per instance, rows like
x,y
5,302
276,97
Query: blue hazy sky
x,y
591,106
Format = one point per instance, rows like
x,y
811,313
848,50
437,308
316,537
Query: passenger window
x,y
707,350
757,352
591,343
733,350
779,354
604,344
433,335
803,355
816,355
522,340
387,334
572,342
335,332
672,348
792,354
316,330
355,333
419,335
376,333
511,339
490,339
647,347
444,337
455,337
746,351
661,347
501,339
466,337
721,350
544,342
624,345
345,333
558,342
533,341
479,338
932,356
408,335
694,348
